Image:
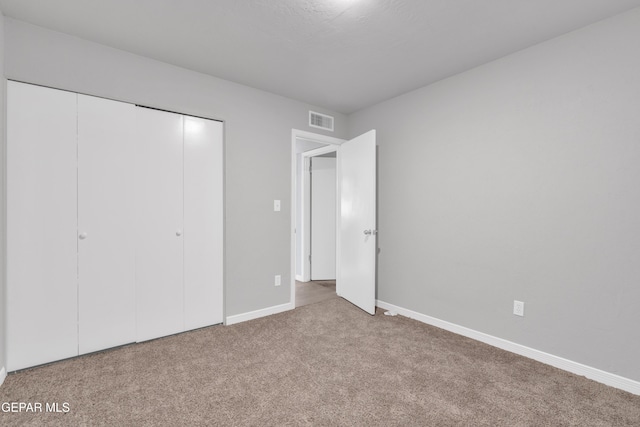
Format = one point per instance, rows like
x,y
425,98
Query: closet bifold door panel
x,y
203,222
179,257
159,224
106,257
42,288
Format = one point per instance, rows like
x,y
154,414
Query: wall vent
x,y
320,121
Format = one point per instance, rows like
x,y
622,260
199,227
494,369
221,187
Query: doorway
x,y
315,291
313,214
356,231
318,228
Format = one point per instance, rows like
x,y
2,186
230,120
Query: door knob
x,y
82,236
179,233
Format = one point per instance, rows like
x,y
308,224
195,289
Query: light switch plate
x,y
276,205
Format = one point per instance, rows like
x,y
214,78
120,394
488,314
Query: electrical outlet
x,y
276,205
518,308
278,280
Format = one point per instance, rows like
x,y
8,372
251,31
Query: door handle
x,y
178,233
82,236
370,232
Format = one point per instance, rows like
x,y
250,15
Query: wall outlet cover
x,y
518,308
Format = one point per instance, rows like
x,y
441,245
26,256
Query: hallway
x,y
313,292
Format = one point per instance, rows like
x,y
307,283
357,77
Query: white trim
x,y
3,375
320,151
297,134
315,137
239,318
595,374
299,278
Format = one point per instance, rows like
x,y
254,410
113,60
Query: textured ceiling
x,y
343,55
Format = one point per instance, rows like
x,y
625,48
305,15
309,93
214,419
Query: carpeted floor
x,y
315,292
326,364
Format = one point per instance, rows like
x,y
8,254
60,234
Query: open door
x,y
357,250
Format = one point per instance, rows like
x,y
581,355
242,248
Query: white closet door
x,y
42,304
203,219
323,218
106,131
159,252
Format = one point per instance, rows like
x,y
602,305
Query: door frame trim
x,y
331,144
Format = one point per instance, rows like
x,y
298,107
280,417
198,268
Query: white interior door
x,y
159,202
357,254
106,263
42,284
203,222
323,218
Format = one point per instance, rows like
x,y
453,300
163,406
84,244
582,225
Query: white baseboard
x,y
238,318
3,375
598,375
299,278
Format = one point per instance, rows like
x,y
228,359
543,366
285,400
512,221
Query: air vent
x,y
320,121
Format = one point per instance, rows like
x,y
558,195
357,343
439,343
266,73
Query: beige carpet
x,y
315,292
326,364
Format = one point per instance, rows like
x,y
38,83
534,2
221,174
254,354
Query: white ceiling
x,y
343,55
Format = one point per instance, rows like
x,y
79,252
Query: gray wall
x,y
257,142
2,193
520,180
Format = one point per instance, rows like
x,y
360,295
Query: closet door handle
x,y
178,232
82,236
